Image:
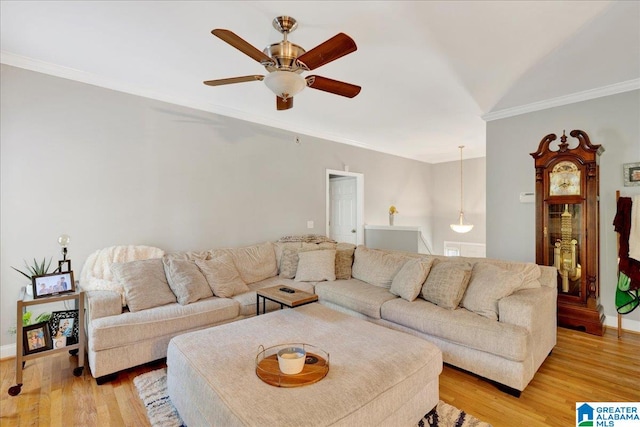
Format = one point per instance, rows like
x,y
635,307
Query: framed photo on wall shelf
x,y
64,327
53,284
631,174
36,338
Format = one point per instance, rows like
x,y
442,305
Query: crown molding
x,y
586,95
19,61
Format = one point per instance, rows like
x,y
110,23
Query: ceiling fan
x,y
285,61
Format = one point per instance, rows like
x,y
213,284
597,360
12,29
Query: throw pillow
x,y
446,283
530,272
344,260
289,261
279,247
316,266
186,280
145,284
376,267
489,284
408,282
222,275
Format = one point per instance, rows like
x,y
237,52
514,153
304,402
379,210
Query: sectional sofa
x,y
494,318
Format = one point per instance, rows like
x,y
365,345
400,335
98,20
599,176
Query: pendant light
x,y
460,226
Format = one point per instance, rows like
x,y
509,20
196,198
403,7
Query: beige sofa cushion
x,y
316,266
376,267
186,280
530,272
489,284
460,326
152,325
408,282
355,295
446,283
344,260
254,263
187,255
145,284
222,275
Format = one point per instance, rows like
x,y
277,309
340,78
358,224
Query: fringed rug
x,y
152,388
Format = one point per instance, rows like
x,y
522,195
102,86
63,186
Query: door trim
x,y
359,201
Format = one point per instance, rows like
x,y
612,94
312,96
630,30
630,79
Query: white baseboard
x,y
7,351
627,324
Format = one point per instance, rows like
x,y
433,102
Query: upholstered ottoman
x,y
377,376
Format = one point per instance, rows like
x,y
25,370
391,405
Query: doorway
x,y
345,206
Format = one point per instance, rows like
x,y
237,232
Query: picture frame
x,y
64,328
53,284
36,338
631,174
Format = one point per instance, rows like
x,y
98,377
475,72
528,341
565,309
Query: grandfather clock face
x,y
564,179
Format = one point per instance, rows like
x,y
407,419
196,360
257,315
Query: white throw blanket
x,y
634,235
96,272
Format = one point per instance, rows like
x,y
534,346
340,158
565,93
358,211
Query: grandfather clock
x,y
567,226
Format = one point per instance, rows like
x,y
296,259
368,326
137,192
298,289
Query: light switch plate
x,y
309,224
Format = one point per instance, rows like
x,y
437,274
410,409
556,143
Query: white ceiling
x,y
429,70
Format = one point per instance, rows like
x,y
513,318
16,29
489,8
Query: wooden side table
x,y
25,301
285,299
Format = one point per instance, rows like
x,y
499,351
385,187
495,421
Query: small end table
x,y
285,299
23,302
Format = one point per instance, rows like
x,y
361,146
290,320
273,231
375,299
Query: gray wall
x,y
109,168
445,201
614,122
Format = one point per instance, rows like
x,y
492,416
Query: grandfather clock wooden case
x,y
567,226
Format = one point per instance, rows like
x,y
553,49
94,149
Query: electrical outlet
x,y
309,224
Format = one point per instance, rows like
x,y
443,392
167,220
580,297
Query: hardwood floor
x,y
582,367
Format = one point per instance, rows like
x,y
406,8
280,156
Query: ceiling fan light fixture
x,y
285,84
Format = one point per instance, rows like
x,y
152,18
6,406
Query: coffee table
x,y
377,376
276,294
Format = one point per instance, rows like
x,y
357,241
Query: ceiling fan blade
x,y
232,80
242,45
334,48
333,86
284,104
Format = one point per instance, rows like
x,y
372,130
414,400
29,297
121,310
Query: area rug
x,y
152,389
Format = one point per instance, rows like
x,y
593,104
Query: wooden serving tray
x,y
315,368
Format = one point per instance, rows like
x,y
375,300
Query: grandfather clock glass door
x,y
567,226
565,235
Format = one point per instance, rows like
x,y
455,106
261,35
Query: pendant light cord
x,y
461,186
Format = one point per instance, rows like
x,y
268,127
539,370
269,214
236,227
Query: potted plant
x,y
37,269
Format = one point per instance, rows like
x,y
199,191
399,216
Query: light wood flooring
x,y
582,367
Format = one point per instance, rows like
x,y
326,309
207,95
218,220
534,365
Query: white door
x,y
342,220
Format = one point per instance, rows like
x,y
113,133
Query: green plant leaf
x,y
26,319
37,269
43,317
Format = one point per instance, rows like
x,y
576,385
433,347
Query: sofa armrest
x,y
529,308
548,276
535,310
102,304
